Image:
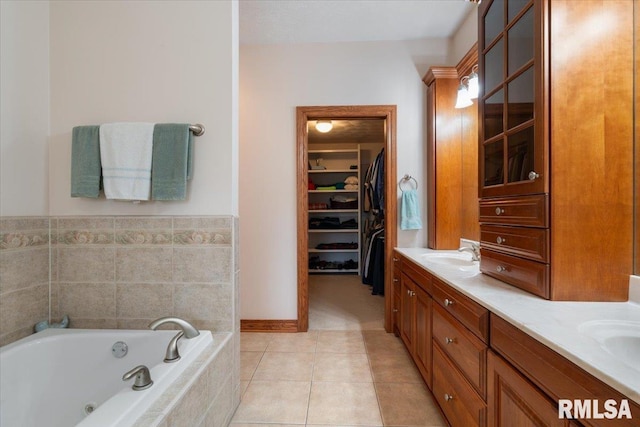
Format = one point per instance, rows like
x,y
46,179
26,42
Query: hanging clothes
x,y
374,186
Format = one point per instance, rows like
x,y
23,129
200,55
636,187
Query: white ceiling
x,y
325,21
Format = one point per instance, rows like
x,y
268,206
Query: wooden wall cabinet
x,y
555,157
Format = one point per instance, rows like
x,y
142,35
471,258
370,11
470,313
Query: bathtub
x,y
69,377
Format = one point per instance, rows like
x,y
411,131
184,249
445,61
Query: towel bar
x,y
197,129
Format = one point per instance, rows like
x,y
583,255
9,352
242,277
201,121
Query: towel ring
x,y
407,178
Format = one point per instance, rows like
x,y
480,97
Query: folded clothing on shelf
x,y
351,180
318,206
352,245
315,263
326,188
340,202
331,223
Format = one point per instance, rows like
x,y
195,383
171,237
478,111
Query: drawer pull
x,y
412,294
448,302
448,340
395,280
501,269
448,397
395,259
395,310
501,240
499,211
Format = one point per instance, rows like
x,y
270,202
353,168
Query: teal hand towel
x,y
86,168
170,169
410,211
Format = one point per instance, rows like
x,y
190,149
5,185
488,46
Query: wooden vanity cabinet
x,y
566,237
415,316
395,318
523,373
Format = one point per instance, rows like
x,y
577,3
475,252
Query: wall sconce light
x,y
473,83
324,126
463,100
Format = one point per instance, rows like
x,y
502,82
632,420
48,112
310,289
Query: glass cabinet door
x,y
512,140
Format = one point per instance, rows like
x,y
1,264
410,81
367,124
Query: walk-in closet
x,y
346,223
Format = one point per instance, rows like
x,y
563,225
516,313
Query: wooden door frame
x,y
303,114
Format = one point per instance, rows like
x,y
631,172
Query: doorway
x,y
384,113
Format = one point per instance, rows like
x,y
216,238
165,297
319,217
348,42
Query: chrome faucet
x,y
188,331
143,377
473,249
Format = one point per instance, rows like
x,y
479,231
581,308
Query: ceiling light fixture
x,y
324,126
463,99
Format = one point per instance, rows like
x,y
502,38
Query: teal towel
x,y
171,164
86,168
410,211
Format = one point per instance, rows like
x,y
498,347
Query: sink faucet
x,y
474,249
188,331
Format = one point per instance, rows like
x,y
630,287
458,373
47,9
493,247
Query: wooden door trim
x,y
303,114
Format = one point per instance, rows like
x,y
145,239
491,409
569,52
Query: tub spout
x,y
189,330
143,377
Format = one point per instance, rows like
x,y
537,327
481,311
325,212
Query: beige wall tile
x,y
86,223
219,369
215,222
222,409
9,224
203,302
143,264
24,308
86,264
135,323
144,300
192,407
88,300
80,323
23,268
15,335
202,264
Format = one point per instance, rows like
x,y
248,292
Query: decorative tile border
x,y
143,237
84,237
202,237
26,239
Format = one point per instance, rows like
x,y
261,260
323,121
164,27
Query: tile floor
x,y
336,378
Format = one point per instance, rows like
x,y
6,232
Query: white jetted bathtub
x,y
69,377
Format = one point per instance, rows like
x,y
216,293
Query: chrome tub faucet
x,y
188,331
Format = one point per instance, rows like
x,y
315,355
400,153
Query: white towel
x,y
125,153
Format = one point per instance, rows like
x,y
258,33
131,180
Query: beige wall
x,y
24,107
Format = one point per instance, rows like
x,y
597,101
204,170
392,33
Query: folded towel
x,y
85,161
351,187
410,211
125,152
171,161
326,188
351,180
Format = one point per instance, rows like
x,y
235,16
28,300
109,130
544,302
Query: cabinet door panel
x,y
407,288
515,402
530,276
530,211
531,243
422,342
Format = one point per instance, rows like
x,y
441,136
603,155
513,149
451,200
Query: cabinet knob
x,y
533,176
448,302
448,340
395,280
395,259
499,211
413,294
500,240
501,269
448,397
395,310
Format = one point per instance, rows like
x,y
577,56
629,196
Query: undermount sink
x,y
453,260
619,338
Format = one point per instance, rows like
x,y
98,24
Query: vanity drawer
x,y
468,312
531,243
460,403
466,351
527,275
530,211
418,274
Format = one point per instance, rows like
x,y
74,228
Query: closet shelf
x,y
333,171
333,270
333,211
333,191
332,250
334,230
348,150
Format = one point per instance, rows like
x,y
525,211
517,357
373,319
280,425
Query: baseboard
x,y
249,325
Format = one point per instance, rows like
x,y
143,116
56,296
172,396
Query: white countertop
x,y
559,325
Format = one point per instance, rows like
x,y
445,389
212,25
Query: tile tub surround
x,y
24,275
204,395
124,272
555,324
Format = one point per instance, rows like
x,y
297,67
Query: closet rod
x,y
197,129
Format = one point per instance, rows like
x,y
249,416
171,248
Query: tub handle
x,y
143,378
